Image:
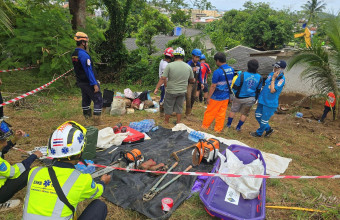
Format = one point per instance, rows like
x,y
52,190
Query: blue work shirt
x,y
222,91
86,63
198,73
251,82
272,99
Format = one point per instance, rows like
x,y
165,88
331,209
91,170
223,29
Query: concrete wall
x,y
294,83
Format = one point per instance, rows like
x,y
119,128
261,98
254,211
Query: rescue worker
x,y
219,94
329,106
192,87
247,88
203,87
54,192
168,55
86,79
269,99
13,178
178,74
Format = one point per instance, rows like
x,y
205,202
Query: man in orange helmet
x,y
86,79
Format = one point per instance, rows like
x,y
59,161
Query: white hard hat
x,y
68,140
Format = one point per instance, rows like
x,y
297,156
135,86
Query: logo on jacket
x,y
3,167
47,183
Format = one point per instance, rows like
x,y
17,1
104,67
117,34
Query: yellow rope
x,y
294,208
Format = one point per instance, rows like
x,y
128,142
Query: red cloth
x,y
330,99
204,71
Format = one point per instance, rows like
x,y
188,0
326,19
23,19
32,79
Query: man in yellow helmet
x,y
54,192
86,79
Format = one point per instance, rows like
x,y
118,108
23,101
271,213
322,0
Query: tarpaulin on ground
x,y
126,189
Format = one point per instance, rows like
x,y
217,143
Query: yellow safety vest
x,y
9,172
42,202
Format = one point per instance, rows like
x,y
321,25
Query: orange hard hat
x,y
81,36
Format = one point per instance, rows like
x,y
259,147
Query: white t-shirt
x,y
162,66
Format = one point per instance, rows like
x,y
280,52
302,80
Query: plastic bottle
x,y
26,135
154,128
299,114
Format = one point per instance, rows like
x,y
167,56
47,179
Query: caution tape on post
x,y
34,91
18,69
206,174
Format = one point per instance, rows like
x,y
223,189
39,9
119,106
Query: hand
x,y
38,153
156,91
96,88
18,134
276,74
208,101
202,86
194,69
106,179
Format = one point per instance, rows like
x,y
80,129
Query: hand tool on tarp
x,y
154,190
174,154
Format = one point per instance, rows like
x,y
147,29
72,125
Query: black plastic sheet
x,y
126,189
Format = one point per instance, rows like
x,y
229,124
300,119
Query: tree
x,y
181,17
323,65
152,22
5,21
313,8
202,4
78,12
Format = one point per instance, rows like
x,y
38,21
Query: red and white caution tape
x,y
206,174
17,69
33,91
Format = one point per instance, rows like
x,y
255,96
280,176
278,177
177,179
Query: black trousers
x,y
96,210
1,107
325,112
13,186
88,95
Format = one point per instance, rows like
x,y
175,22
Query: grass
x,y
306,143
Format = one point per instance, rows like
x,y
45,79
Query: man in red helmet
x,y
168,55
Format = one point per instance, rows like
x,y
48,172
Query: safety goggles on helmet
x,y
68,140
5,130
169,52
81,36
179,52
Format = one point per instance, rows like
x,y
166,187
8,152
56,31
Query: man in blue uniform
x,y
192,87
86,79
247,88
269,99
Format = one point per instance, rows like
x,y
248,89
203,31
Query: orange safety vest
x,y
330,99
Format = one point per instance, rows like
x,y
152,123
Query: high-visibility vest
x,y
9,172
42,202
330,100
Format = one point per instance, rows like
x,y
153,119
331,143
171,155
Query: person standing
x,y
192,87
54,192
205,70
269,99
13,178
86,79
168,55
246,88
329,106
219,93
178,74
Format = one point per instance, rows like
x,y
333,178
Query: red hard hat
x,y
169,52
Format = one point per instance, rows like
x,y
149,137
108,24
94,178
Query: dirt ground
x,y
311,145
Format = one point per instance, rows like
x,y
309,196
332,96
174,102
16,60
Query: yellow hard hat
x,y
81,36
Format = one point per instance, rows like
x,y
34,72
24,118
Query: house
x,y
241,54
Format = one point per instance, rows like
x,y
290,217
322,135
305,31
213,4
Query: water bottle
x,y
26,135
154,128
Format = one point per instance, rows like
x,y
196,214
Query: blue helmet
x,y
202,57
196,52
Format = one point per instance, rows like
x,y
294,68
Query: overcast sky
x,y
332,5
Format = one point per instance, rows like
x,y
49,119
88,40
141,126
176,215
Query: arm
x,y
93,190
272,83
161,81
258,89
87,66
211,91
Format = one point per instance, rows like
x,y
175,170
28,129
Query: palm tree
x,y
5,24
312,8
323,65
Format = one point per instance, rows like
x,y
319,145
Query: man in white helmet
x,y
178,74
54,192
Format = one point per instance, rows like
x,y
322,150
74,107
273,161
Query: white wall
x,y
294,83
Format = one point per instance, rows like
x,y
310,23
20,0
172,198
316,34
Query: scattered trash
x,y
130,111
299,114
330,147
118,107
